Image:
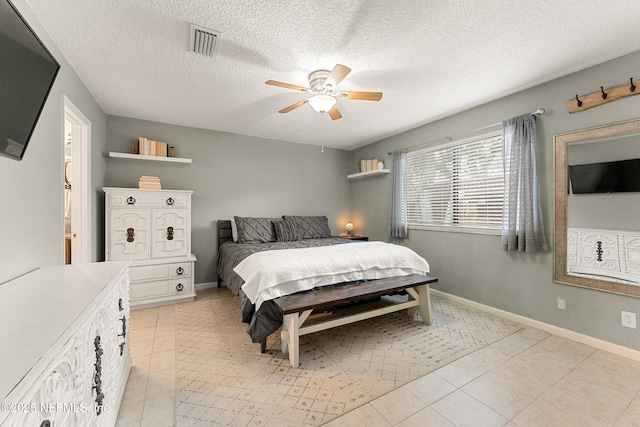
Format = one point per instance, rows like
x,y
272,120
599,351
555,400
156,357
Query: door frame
x,y
80,182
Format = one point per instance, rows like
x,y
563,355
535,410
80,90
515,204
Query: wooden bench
x,y
297,307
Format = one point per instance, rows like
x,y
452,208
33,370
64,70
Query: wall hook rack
x,y
578,101
603,96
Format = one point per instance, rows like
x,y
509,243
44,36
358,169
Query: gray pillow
x,y
286,231
312,227
255,230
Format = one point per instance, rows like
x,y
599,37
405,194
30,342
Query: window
x,y
457,186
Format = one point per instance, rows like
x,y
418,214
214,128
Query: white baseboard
x,y
206,285
564,333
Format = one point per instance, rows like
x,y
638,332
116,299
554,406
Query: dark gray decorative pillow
x,y
286,231
255,230
312,227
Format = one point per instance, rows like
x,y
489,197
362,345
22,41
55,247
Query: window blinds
x,y
458,185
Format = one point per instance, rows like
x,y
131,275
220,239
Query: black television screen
x,y
611,177
27,73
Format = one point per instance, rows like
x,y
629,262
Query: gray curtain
x,y
522,228
399,226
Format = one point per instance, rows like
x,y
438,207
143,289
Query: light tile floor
x,y
530,378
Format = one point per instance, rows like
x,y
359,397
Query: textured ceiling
x,y
430,58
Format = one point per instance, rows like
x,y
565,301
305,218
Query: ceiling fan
x,y
322,83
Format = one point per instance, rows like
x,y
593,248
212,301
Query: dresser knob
x,y
130,234
179,287
169,233
179,271
170,201
131,200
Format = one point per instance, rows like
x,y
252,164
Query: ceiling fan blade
x,y
334,113
287,86
363,96
293,106
338,73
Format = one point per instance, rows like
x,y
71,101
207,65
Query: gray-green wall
x,y
474,266
234,175
238,175
32,190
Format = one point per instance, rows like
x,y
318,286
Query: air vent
x,y
203,40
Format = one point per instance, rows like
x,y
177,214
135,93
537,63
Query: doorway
x,y
77,185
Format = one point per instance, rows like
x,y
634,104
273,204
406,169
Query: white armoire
x,y
152,228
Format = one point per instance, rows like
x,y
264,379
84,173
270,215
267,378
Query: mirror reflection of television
x,y
621,176
27,73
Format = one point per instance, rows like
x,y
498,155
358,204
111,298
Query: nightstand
x,y
353,237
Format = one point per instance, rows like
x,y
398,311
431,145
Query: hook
x,y
604,95
632,88
578,101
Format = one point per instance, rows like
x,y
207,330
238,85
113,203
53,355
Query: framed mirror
x,y
597,208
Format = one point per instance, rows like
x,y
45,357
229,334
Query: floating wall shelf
x,y
368,173
116,155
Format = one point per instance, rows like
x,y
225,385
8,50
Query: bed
x,y
284,250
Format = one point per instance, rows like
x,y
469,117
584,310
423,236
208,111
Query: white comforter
x,y
271,274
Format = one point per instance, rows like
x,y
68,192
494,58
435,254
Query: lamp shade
x,y
348,226
322,103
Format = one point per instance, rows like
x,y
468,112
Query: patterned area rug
x,y
222,379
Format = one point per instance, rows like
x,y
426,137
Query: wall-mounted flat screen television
x,y
610,177
27,73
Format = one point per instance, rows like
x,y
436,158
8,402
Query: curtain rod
x,y
538,112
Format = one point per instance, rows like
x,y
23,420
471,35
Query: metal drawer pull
x,y
179,287
170,201
124,327
97,376
169,233
130,234
179,270
131,200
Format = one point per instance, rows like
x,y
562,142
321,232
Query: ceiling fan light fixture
x,y
322,103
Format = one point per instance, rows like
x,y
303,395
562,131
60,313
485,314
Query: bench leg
x,y
290,338
425,303
421,294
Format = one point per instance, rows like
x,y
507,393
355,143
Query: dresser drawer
x,y
160,271
148,199
162,288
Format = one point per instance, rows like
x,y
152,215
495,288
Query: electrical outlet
x,y
561,303
628,320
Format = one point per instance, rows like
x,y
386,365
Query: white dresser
x,y
64,358
596,253
152,228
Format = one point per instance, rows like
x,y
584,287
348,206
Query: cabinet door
x,y
599,252
169,233
129,234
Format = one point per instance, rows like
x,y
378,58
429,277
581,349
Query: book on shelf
x,y
148,147
370,165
